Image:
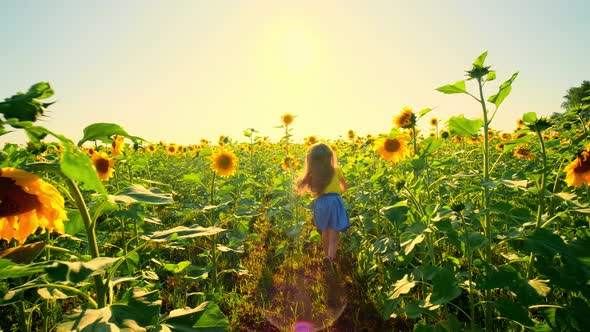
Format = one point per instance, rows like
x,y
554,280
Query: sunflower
x,y
578,171
171,148
289,163
27,203
406,119
151,148
224,163
523,151
506,136
434,122
394,149
311,140
90,151
103,165
118,146
287,119
351,134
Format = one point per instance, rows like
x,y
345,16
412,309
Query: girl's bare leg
x,y
333,237
326,242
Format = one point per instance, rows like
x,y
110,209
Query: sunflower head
x,y
103,165
224,163
523,151
394,149
172,148
406,119
578,171
289,163
351,135
118,146
151,148
27,203
444,134
311,140
434,122
287,119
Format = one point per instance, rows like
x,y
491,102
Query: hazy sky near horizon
x,y
178,71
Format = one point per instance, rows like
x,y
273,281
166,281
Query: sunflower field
x,y
460,228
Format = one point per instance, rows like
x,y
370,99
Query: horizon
x,y
199,70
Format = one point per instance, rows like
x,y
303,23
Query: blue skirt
x,y
329,213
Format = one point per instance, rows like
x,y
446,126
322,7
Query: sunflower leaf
x,y
138,194
457,87
77,166
183,232
104,131
505,89
465,127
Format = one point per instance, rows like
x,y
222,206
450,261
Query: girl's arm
x,y
343,184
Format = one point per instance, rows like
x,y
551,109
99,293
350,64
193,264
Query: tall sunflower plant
x,y
56,200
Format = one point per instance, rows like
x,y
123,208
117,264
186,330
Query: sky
x,y
178,71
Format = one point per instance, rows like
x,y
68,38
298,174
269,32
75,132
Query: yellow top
x,y
334,185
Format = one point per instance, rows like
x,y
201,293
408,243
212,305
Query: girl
x,y
324,178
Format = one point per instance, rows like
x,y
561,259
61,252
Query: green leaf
x,y
77,166
135,312
138,194
540,286
76,272
444,287
10,269
476,240
410,244
457,87
424,111
177,268
529,117
205,152
514,312
206,317
41,90
182,232
104,131
504,91
463,126
430,145
545,243
396,214
51,293
75,224
480,59
491,75
402,286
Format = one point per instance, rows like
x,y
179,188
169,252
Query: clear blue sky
x,y
181,70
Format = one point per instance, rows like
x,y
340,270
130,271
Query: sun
x,y
292,48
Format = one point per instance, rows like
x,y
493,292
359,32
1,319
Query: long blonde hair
x,y
319,169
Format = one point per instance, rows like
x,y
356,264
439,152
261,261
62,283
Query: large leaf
x,y
457,87
505,89
514,311
135,313
23,254
77,166
103,132
207,317
444,287
10,269
463,126
402,286
410,244
396,214
138,194
480,59
545,243
76,272
182,232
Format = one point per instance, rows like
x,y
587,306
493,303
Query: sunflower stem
x,y
92,242
214,239
486,203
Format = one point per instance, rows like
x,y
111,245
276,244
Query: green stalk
x,y
22,316
415,140
486,202
64,287
92,242
469,272
214,240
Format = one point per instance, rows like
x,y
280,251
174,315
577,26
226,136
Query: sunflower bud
x,y
457,205
478,72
